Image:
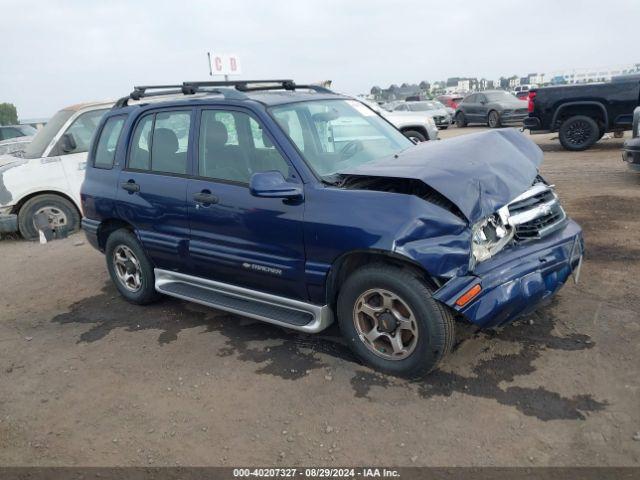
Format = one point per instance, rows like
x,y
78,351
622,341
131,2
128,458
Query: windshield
x,y
43,138
333,135
499,96
424,106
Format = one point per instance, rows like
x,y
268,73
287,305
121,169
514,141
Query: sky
x,y
58,53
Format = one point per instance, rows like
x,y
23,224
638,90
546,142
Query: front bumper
x,y
631,153
8,223
519,279
432,131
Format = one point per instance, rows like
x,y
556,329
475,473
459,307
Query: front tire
x,y
392,323
61,213
415,136
494,119
578,133
129,268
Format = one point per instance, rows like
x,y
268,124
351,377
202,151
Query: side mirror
x,y
272,184
68,143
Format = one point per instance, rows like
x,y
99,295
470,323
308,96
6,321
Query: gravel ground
x,y
87,379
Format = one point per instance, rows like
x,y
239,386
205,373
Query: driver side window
x,y
233,146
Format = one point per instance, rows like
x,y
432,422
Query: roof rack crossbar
x,y
239,86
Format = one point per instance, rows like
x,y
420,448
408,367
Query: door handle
x,y
131,186
205,197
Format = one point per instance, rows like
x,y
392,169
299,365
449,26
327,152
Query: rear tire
x,y
461,120
402,298
129,268
61,212
578,133
415,136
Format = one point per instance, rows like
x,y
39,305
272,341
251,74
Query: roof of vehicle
x,y
267,92
81,106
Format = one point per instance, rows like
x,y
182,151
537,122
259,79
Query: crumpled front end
x,y
518,280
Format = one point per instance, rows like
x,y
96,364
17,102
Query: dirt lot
x,y
87,379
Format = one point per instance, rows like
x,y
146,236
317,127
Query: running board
x,y
282,311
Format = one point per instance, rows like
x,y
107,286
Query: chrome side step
x,y
282,311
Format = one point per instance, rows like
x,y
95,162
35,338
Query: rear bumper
x,y
90,229
8,223
514,118
519,279
631,153
532,123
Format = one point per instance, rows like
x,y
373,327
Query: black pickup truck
x,y
583,113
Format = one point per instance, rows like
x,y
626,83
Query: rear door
x,y
482,106
470,108
237,238
152,188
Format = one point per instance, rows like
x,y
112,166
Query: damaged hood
x,y
479,173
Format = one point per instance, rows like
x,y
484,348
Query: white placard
x,y
225,64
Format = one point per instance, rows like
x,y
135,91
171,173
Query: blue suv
x,y
297,206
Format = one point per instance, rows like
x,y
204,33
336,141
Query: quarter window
x,y
106,148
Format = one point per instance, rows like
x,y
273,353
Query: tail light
x,y
530,106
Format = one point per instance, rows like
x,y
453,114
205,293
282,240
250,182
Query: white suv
x,y
47,177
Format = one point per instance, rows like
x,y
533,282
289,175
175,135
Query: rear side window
x,y
160,143
106,148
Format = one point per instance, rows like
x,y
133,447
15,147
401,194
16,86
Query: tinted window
x,y
10,132
83,128
106,148
170,142
233,146
140,154
160,143
470,99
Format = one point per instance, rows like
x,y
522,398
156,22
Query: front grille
x,y
439,119
536,213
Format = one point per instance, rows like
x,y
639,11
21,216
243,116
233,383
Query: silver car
x,y
432,108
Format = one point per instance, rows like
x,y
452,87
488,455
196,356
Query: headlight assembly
x,y
489,236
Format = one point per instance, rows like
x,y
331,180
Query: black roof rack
x,y
239,86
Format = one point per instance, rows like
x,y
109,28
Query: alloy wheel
x,y
578,132
385,324
127,268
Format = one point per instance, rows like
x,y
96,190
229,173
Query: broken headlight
x,y
489,236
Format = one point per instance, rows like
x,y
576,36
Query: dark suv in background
x,y
490,107
296,206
